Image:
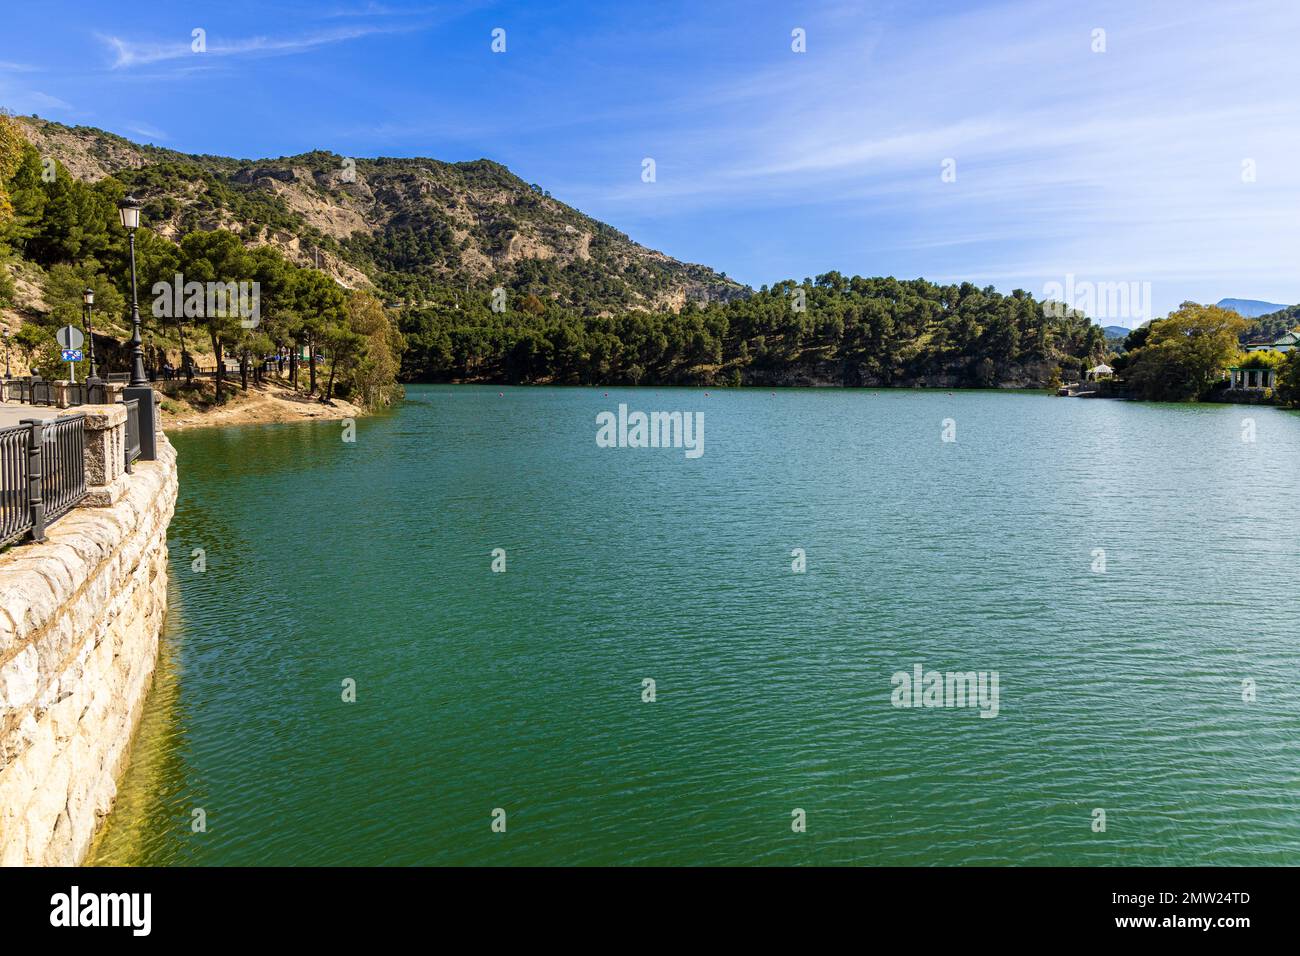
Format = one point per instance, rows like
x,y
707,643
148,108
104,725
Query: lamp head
x,y
129,209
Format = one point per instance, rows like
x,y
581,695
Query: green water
x,y
476,690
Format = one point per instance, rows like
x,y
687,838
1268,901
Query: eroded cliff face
x,y
80,619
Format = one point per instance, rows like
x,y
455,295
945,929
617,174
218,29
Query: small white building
x,y
1100,371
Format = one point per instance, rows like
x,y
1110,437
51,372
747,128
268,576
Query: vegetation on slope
x,y
832,330
489,278
69,232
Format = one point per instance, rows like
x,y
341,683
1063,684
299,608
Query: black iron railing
x,y
39,391
63,465
43,471
85,393
132,431
15,489
20,389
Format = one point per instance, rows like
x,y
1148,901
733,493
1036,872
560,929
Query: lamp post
x,y
6,337
138,389
88,297
129,209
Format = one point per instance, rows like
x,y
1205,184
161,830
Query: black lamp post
x,y
138,388
88,297
129,208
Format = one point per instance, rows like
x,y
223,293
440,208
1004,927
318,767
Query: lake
x,y
1129,571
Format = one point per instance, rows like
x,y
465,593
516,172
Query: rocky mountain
x,y
406,226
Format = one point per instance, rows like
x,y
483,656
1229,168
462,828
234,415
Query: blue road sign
x,y
72,355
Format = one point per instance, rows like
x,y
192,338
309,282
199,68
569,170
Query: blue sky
x,y
1129,165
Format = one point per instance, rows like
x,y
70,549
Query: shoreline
x,y
267,404
1248,399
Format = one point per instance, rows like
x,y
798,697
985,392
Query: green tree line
x,y
835,330
69,231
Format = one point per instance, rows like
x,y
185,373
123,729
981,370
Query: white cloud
x,y
34,101
1124,164
147,132
129,53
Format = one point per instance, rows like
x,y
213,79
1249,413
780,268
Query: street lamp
x,y
129,209
88,297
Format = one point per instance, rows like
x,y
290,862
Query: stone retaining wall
x,y
80,618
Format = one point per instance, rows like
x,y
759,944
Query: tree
x,y
319,304
13,146
376,377
76,220
22,194
1288,379
279,323
63,294
1184,355
215,257
157,261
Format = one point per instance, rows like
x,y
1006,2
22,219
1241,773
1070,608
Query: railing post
x,y
148,419
35,438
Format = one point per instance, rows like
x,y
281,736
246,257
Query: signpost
x,y
71,340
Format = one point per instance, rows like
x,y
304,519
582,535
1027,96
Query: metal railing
x,y
63,464
40,391
85,393
30,391
15,506
132,431
43,473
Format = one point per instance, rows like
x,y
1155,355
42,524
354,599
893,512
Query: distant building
x,y
1251,379
1100,371
1283,343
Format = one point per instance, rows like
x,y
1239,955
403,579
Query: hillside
x,y
1249,308
1273,324
1115,334
832,330
585,304
406,226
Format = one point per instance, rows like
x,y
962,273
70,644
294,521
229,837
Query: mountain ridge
x,y
1250,308
404,225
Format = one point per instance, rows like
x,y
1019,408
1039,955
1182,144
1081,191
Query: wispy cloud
x,y
147,132
379,10
8,66
43,101
129,53
1122,164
